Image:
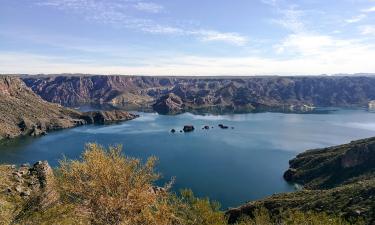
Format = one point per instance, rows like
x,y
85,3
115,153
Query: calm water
x,y
231,166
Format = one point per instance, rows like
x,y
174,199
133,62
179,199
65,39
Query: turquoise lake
x,y
231,166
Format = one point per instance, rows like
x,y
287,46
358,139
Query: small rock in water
x,y
223,126
188,128
206,127
173,131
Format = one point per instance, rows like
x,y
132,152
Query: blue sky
x,y
187,37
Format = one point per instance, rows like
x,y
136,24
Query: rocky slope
x,y
337,180
333,166
235,94
22,112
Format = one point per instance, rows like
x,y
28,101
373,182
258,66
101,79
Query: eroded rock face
x,y
219,94
22,112
102,117
169,104
27,180
329,167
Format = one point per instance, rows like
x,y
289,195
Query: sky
x,y
187,37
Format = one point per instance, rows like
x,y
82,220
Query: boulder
x,y
173,131
188,128
223,126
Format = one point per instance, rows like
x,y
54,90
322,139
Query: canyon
x,y
172,95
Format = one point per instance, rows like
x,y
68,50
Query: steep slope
x,y
71,90
333,166
337,180
22,112
236,94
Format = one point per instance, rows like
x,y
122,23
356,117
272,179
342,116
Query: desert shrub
x,y
110,188
196,211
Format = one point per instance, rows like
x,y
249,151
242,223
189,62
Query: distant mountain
x,y
337,180
22,112
235,94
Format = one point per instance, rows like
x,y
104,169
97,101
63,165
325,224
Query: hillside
x,y
338,180
231,94
22,112
333,166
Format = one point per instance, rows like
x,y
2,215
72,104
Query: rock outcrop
x,y
179,94
104,117
333,166
169,104
36,183
22,112
188,128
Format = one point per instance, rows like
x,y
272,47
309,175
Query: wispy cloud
x,y
292,19
117,13
210,35
368,30
369,10
270,2
356,19
149,7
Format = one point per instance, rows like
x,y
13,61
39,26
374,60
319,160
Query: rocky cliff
x,y
337,180
235,94
333,166
22,112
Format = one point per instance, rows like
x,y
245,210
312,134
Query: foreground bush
x,y
105,187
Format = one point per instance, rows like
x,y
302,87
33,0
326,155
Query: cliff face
x,y
169,104
73,90
337,180
22,112
330,167
253,93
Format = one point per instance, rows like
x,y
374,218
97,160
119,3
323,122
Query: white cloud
x,y
367,30
368,10
291,19
356,19
149,7
305,44
210,35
